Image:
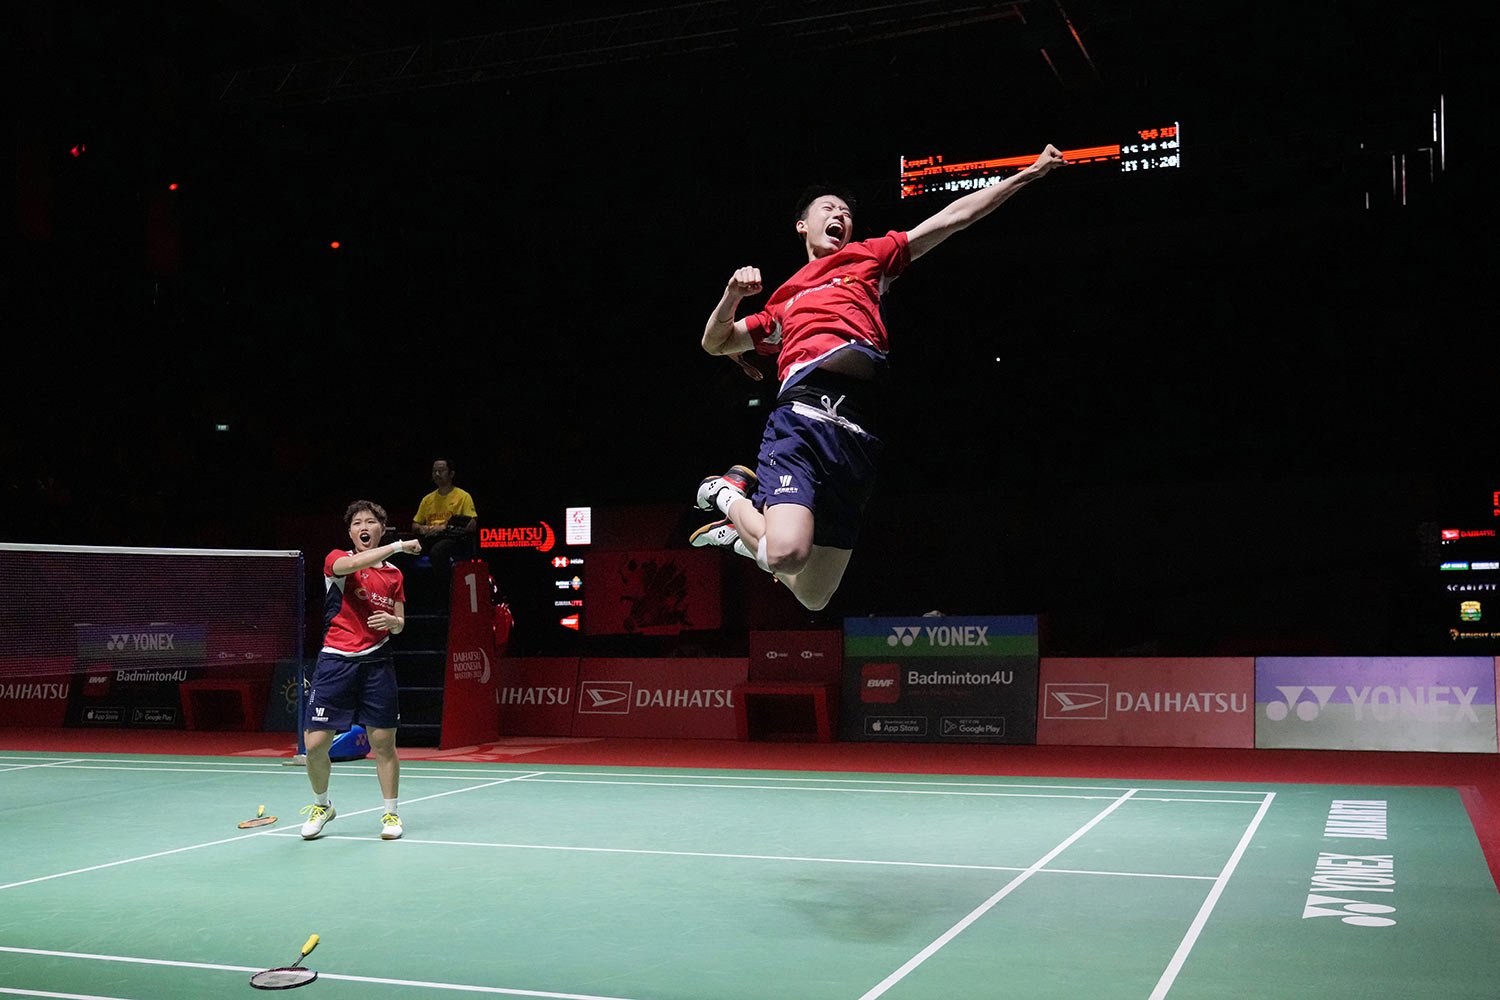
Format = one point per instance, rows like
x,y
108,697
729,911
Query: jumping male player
x,y
355,679
797,513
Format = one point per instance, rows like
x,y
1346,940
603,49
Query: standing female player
x,y
355,678
797,513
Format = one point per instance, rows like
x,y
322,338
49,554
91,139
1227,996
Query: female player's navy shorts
x,y
350,689
817,459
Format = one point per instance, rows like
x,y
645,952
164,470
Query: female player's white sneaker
x,y
317,818
390,827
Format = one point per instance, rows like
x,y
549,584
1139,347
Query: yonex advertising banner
x,y
131,674
1444,703
667,698
961,679
537,695
1148,702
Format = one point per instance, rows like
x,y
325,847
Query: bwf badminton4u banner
x,y
966,679
1437,703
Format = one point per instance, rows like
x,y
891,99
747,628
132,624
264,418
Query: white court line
x,y
358,773
1169,976
869,791
1113,790
55,763
230,840
160,763
830,784
885,984
758,857
427,768
60,996
457,987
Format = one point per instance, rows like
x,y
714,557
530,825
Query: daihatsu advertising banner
x,y
1147,702
1437,703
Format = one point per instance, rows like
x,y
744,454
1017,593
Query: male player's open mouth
x,y
835,231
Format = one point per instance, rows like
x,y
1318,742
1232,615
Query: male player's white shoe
x,y
317,818
739,480
390,827
721,532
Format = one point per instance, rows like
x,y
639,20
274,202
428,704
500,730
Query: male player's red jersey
x,y
829,304
349,601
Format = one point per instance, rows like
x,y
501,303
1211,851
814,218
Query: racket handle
x,y
312,942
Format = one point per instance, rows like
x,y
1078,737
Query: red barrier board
x,y
40,700
810,655
537,695
469,713
1148,702
668,698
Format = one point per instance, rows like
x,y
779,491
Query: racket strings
x,y
282,979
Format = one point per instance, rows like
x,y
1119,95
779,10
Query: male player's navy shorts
x,y
350,689
820,460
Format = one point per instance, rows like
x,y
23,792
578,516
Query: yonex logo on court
x,y
1076,701
605,697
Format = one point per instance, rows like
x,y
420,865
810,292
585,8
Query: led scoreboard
x,y
1146,149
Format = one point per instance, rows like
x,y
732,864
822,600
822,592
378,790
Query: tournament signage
x,y
537,695
796,655
963,679
671,698
1177,702
470,715
1444,704
131,675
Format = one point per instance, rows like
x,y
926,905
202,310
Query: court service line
x,y
1169,976
865,791
756,857
156,759
213,967
358,773
829,777
27,767
885,984
415,768
11,991
230,840
831,784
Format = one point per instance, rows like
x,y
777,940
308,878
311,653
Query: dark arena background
x,y
1205,408
1194,441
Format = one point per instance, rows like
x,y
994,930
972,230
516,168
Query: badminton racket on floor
x,y
261,819
288,976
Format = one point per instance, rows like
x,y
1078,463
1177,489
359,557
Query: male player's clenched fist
x,y
745,282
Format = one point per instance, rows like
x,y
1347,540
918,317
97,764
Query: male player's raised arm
x,y
969,209
723,334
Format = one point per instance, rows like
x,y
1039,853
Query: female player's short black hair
x,y
813,192
364,505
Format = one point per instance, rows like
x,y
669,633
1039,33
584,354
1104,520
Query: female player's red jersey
x,y
349,601
829,304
